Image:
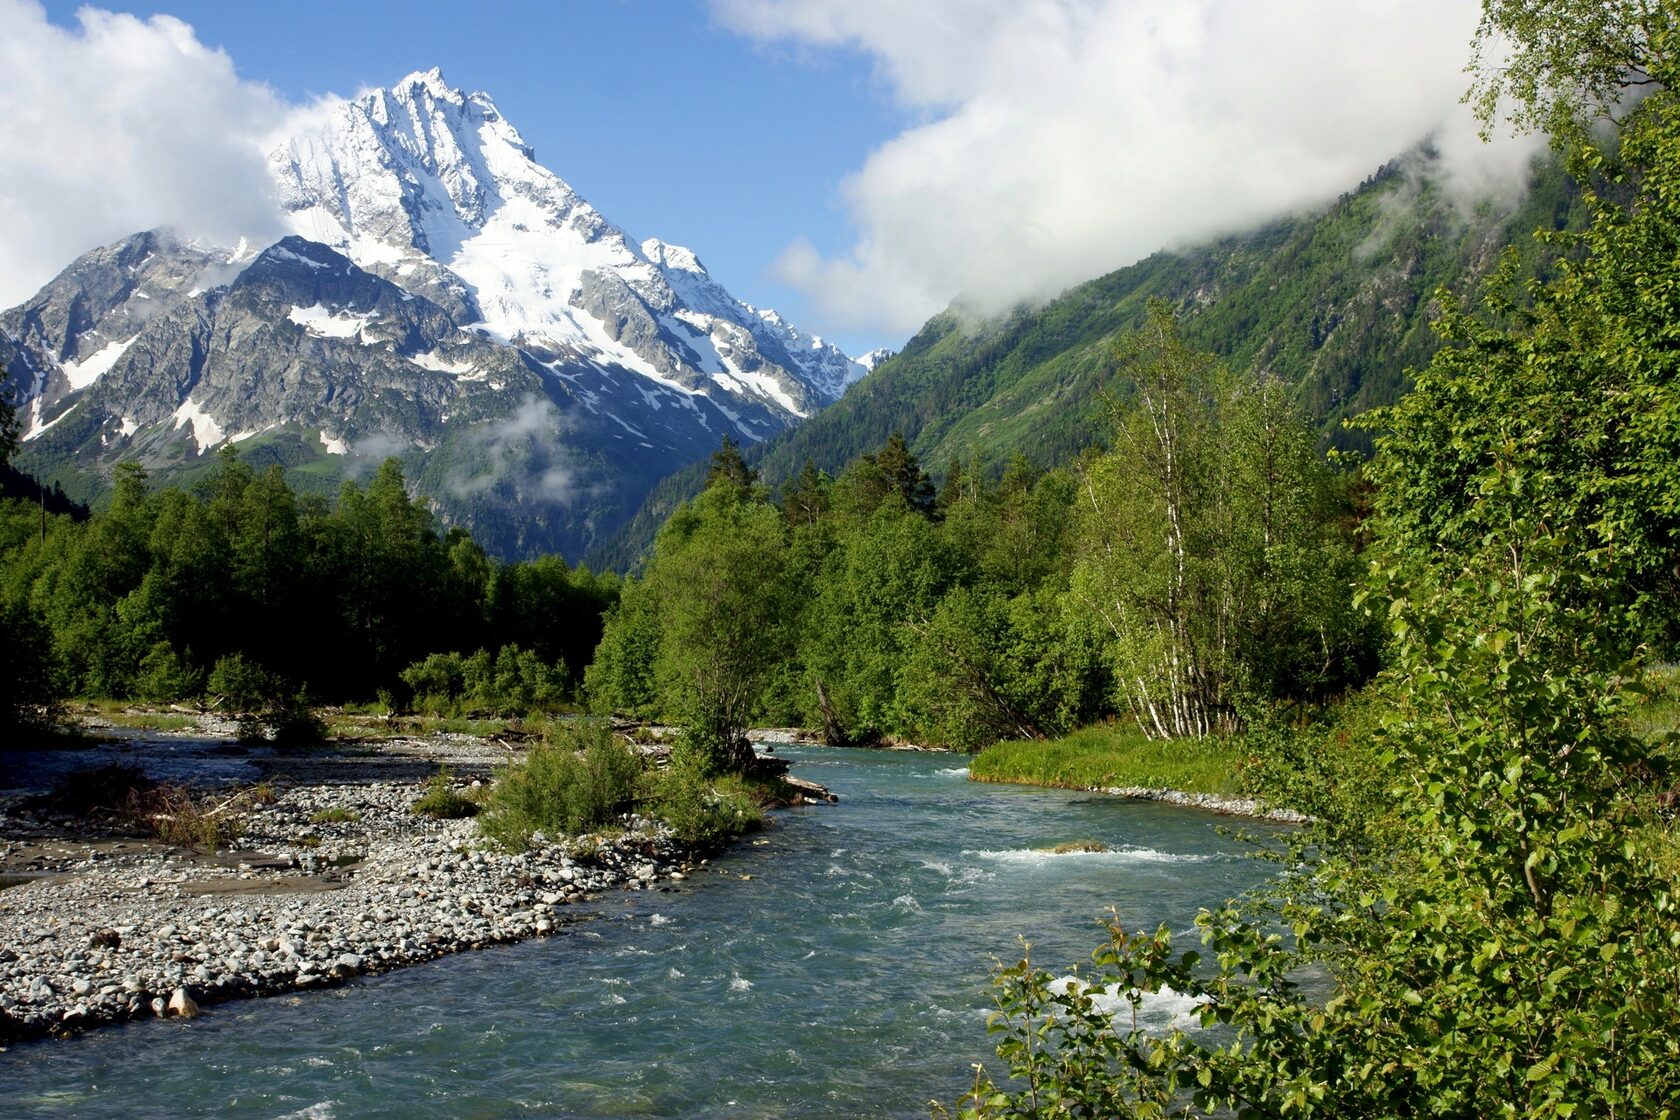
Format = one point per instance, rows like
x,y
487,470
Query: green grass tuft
x,y
1109,755
442,802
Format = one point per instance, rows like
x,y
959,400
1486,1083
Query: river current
x,y
836,967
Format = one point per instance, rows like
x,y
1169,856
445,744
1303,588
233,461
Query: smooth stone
x,y
182,1005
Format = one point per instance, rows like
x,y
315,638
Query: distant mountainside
x,y
444,298
1337,303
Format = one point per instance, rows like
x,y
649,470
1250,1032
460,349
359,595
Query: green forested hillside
x,y
1335,303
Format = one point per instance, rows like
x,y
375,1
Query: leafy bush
x,y
702,811
442,801
579,781
166,676
30,687
512,682
242,684
292,722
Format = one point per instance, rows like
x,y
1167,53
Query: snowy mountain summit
x,y
434,188
442,297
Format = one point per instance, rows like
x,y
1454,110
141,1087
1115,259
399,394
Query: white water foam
x,y
1037,857
660,920
740,985
1166,1009
322,1110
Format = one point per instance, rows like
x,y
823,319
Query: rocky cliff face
x,y
443,298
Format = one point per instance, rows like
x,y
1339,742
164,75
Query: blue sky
x,y
855,164
670,124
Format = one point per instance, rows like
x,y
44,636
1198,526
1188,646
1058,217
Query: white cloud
x,y
119,125
1064,138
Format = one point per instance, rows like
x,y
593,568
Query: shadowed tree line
x,y
148,596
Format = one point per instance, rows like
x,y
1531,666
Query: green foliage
x,y
166,676
723,619
514,682
702,811
864,607
31,685
241,685
149,596
1493,934
1554,66
442,801
620,678
1213,546
291,721
1107,756
582,780
730,472
984,668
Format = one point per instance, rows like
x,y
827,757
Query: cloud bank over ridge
x,y
118,125
1060,139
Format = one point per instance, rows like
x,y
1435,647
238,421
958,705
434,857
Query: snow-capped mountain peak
x,y
431,186
443,297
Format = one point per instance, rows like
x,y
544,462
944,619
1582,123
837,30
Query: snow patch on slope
x,y
207,433
322,323
91,368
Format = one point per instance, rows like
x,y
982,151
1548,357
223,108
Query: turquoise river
x,y
836,967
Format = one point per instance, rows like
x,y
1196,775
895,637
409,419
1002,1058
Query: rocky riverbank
x,y
335,877
1209,802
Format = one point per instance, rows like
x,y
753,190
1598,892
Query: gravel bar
x,y
114,930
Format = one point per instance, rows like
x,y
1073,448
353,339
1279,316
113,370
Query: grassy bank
x,y
1116,754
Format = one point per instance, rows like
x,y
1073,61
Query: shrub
x,y
702,812
293,723
244,686
512,682
580,780
441,800
167,676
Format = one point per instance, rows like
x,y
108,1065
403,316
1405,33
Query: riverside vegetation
x,y
1484,921
1436,653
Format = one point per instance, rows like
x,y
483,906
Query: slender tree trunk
x,y
833,733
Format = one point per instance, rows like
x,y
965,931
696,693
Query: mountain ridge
x,y
442,297
1336,302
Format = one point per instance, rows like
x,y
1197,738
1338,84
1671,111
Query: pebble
x,y
86,948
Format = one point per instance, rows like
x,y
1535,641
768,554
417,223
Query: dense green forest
x,y
244,592
1199,568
